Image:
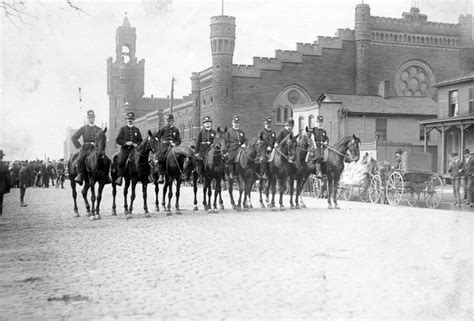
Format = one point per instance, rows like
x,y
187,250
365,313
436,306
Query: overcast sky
x,y
56,50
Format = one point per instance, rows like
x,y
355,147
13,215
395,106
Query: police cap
x,y
268,121
236,119
207,119
90,113
169,117
130,115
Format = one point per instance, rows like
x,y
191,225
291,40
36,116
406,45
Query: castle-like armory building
x,y
409,54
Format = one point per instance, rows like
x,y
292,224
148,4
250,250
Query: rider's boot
x,y
79,179
160,173
318,171
231,172
199,170
263,170
118,181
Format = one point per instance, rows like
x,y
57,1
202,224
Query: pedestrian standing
x,y
4,180
455,169
467,155
468,171
24,178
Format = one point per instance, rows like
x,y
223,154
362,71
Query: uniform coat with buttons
x,y
166,135
127,134
320,137
282,134
235,138
88,133
269,137
204,141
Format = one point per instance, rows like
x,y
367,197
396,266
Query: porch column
x,y
443,131
425,143
462,141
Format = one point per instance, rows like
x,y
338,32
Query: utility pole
x,y
172,94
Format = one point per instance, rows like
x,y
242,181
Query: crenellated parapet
x,y
289,56
248,71
345,34
267,63
420,26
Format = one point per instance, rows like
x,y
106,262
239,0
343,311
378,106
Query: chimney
x,y
384,89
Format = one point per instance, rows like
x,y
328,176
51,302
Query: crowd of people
x,y
462,173
35,173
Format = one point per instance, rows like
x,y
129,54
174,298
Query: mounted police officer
x,y
321,140
169,136
129,137
235,140
203,143
89,133
285,131
268,136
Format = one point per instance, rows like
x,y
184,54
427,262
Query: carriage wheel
x,y
434,191
346,192
394,188
413,198
364,193
375,189
318,188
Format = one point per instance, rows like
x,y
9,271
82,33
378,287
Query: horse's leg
x,y
241,191
195,190
125,195
74,197
145,196
114,194
260,193
231,188
331,191
93,197
273,188
84,196
282,185
335,183
133,195
170,194
204,190
99,199
157,202
163,198
221,202
292,189
178,190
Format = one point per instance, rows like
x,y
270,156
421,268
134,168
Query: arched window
x,y
279,115
311,121
285,114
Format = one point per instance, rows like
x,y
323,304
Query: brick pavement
x,y
364,261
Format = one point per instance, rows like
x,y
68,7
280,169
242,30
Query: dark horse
x,y
347,150
214,170
180,164
281,168
303,166
137,169
97,169
246,160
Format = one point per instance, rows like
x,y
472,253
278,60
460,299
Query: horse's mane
x,y
343,143
183,150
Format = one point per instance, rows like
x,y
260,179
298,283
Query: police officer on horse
x,y
321,140
169,136
268,136
129,138
285,131
204,142
235,140
89,133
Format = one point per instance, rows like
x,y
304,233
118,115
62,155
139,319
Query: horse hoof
x,y
245,209
129,216
330,207
292,207
157,209
234,207
222,207
178,212
76,214
337,207
297,207
92,217
303,206
147,214
195,208
169,214
251,206
114,213
282,208
262,205
97,217
238,208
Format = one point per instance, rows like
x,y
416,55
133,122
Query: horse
x,y
97,170
180,164
137,169
303,167
245,173
281,168
214,170
347,150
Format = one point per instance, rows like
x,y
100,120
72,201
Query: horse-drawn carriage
x,y
412,178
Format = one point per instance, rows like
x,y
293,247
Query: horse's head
x,y
100,141
220,143
149,144
261,146
287,147
352,149
367,159
189,164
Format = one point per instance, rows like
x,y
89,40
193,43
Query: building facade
x,y
411,53
455,118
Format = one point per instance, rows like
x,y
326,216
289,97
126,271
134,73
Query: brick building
x,y
411,53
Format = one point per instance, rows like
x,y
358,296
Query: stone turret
x,y
467,42
196,98
222,45
362,39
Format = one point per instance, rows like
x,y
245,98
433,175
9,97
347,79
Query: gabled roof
x,y
126,23
379,105
467,77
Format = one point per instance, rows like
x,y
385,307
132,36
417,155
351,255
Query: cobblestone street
x,y
363,261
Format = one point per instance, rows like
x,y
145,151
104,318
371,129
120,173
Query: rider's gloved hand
x,y
243,145
129,143
135,145
173,144
269,149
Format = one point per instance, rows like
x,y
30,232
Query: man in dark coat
x,y
285,131
25,173
235,140
455,169
203,143
268,137
129,137
89,133
61,171
468,171
321,140
169,136
4,180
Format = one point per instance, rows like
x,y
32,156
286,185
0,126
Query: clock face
x,y
293,96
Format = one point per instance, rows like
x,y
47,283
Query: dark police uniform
x,y
127,134
282,134
203,144
61,171
269,137
89,134
235,138
4,180
166,136
320,138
